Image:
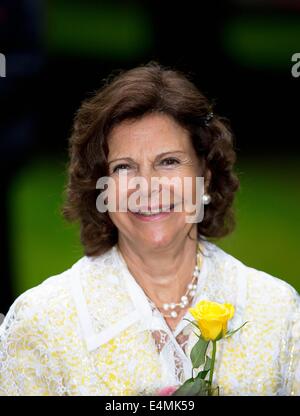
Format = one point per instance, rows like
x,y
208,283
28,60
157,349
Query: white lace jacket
x,y
92,331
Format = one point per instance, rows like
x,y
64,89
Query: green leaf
x,y
220,336
192,387
207,364
203,388
185,388
203,374
198,352
234,331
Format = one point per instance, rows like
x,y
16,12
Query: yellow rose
x,y
212,318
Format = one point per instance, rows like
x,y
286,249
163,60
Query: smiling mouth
x,y
156,211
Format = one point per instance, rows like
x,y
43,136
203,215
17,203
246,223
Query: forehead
x,y
153,132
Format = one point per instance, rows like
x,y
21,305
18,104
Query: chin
x,y
158,240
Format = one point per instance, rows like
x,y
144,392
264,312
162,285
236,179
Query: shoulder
x,y
39,303
261,287
54,298
52,292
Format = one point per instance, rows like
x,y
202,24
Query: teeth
x,y
157,211
149,213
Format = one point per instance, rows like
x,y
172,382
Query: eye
x,y
170,161
122,166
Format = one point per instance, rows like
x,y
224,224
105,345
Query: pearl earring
x,y
206,198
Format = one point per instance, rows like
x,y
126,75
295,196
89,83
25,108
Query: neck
x,y
163,273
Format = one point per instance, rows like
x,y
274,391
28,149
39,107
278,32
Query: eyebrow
x,y
157,157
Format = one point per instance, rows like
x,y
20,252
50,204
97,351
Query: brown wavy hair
x,y
132,94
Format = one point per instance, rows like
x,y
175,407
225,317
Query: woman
x,y
115,323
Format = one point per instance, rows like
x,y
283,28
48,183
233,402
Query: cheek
x,y
193,189
117,196
188,186
183,194
121,220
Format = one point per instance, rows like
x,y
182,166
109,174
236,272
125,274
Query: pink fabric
x,y
166,391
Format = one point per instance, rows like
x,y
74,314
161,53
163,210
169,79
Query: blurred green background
x,y
266,235
237,52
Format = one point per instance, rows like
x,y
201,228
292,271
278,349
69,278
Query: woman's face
x,y
158,150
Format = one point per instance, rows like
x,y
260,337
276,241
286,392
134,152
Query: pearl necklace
x,y
187,297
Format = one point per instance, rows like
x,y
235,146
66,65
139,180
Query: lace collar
x,y
213,284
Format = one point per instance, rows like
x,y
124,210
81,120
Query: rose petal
x,y
166,391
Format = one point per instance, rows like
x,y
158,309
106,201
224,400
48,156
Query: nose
x,y
149,187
